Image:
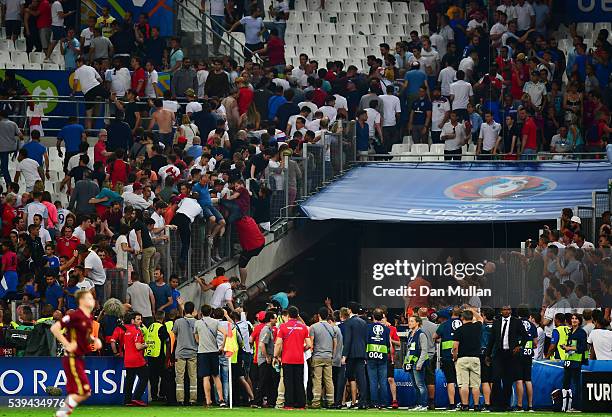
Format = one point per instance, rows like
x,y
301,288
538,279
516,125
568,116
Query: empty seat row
x,y
398,29
355,6
345,41
360,18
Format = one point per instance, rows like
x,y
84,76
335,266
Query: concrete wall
x,y
277,253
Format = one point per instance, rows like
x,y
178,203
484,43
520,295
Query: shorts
x,y
13,28
486,371
351,368
448,367
76,378
246,256
523,369
430,371
59,33
210,211
208,364
93,94
390,370
166,139
247,361
238,369
468,372
45,37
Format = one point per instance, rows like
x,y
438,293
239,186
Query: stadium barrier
x,y
28,378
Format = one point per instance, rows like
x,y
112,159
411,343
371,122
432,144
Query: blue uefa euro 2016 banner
x,y
28,377
588,10
463,192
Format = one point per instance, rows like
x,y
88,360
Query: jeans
x,y
377,374
217,32
143,379
183,224
235,213
418,379
571,380
224,375
4,166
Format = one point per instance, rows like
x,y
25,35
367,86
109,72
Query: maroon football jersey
x,y
78,327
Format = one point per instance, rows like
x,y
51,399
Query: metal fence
x,y
602,201
117,279
588,219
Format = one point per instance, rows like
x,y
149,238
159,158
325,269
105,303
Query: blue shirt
x,y
175,296
362,136
195,151
420,107
69,55
415,80
204,198
476,122
282,299
71,135
161,294
602,72
274,103
53,294
36,150
71,303
54,263
112,197
447,331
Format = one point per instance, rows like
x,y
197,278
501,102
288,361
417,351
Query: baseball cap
x,y
189,92
576,219
260,316
445,313
520,57
137,186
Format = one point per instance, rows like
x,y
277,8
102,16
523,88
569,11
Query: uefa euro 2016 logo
x,y
498,188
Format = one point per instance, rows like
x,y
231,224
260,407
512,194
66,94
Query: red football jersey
x,y
78,328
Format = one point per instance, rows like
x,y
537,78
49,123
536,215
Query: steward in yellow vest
x,y
158,351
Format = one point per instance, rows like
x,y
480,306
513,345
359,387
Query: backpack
x,y
18,338
41,341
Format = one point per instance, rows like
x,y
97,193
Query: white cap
x,y
576,219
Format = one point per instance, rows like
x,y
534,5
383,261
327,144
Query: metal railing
x,y
473,158
207,23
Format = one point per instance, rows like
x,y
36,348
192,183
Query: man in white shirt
x,y
57,26
35,207
536,90
498,29
223,295
94,270
468,64
430,59
79,231
525,16
392,111
134,198
29,168
579,241
460,94
440,114
454,136
118,79
600,339
90,84
329,109
341,105
152,80
508,9
374,120
446,77
489,138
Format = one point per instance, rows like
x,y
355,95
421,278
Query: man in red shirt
x,y
74,332
139,77
395,344
100,152
238,202
252,242
529,143
134,361
274,49
43,23
318,95
67,243
291,342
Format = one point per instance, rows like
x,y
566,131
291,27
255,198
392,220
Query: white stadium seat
x,y
327,17
399,19
342,41
32,66
347,17
307,39
291,39
419,148
344,28
50,66
400,148
400,7
333,6
313,4
381,19
37,57
312,17
13,65
293,27
350,6
339,53
290,51
310,28
4,56
325,41
384,7
356,52
327,28
396,30
359,41
375,40
322,52
602,25
585,29
19,57
417,7
364,18
367,7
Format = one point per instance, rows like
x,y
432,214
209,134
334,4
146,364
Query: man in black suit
x,y
504,347
355,333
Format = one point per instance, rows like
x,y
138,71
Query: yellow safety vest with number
x,y
564,332
153,340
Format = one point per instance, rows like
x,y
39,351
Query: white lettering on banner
x,y
39,383
599,392
101,382
19,384
587,6
461,214
109,381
